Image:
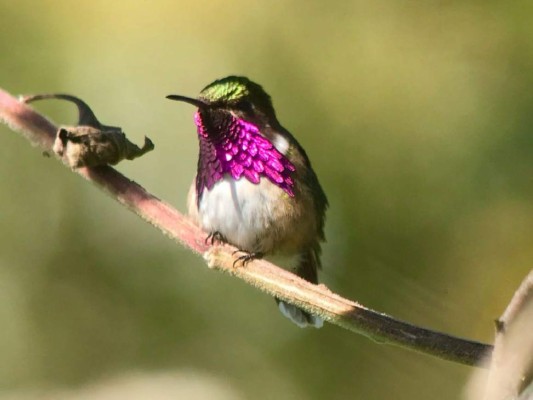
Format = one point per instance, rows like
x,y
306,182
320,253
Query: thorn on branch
x,y
500,325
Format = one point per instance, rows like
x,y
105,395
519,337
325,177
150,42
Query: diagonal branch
x,y
267,277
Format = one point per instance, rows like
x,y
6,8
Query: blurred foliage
x,y
417,117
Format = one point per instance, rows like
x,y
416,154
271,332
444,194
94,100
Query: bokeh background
x,y
418,119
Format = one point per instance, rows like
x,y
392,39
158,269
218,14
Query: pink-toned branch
x,y
275,281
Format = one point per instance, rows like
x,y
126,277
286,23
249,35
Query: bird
x,y
254,187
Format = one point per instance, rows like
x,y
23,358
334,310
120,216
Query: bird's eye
x,y
244,105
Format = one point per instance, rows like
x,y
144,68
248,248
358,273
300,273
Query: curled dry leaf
x,y
90,143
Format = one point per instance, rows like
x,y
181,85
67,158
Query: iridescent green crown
x,y
235,88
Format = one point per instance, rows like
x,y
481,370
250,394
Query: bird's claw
x,y
246,257
215,237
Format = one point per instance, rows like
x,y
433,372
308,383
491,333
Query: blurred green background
x,y
417,118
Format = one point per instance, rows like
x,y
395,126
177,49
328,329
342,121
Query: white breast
x,y
239,210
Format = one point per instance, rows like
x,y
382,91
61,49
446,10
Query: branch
x,y
267,277
510,374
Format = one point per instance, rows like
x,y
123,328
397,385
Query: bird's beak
x,y
194,102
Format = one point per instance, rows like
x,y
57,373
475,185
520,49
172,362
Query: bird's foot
x,y
246,257
215,237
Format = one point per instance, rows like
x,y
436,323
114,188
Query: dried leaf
x,y
90,143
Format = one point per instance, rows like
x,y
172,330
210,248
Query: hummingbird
x,y
254,187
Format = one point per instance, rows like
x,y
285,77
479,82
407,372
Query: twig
x,y
261,274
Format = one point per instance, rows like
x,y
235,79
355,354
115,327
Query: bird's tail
x,y
307,268
300,317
